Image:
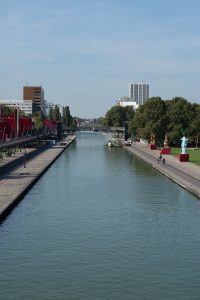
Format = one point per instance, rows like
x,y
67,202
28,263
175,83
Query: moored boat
x,y
114,143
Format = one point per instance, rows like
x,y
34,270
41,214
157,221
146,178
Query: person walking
x,y
163,161
24,159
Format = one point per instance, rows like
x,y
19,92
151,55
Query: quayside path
x,y
14,184
20,141
186,174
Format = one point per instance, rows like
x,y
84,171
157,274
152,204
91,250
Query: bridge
x,y
96,128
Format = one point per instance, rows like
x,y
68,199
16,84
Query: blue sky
x,y
86,52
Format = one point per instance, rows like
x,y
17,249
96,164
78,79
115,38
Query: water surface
x,y
101,224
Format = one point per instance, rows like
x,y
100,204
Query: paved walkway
x,y
186,174
14,184
9,162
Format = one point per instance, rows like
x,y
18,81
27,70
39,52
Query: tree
x,y
38,119
150,118
50,114
56,113
73,123
129,113
6,110
117,116
99,122
66,116
180,113
194,126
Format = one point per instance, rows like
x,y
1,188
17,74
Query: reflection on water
x,y
101,224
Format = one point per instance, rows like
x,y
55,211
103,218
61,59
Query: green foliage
x,y
38,119
172,117
50,114
99,122
56,113
66,119
180,113
73,122
150,118
117,115
6,110
194,128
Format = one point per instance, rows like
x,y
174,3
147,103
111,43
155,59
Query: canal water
x,y
101,224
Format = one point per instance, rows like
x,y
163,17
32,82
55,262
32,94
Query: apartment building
x,y
36,94
139,91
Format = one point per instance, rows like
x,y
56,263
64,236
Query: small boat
x,y
114,143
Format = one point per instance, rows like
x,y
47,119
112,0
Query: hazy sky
x,y
86,52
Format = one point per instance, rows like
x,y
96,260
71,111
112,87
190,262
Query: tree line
x,y
175,117
54,114
66,118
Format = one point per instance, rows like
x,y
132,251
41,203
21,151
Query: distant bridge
x,y
96,128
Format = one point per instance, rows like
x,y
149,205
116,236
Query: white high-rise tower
x,y
139,91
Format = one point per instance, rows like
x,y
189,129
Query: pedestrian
x,y
158,159
24,159
163,161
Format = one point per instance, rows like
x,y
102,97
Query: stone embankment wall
x,y
185,174
15,183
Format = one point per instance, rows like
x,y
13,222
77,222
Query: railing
x,y
19,141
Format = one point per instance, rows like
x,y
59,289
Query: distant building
x,y
139,91
48,106
131,91
24,105
126,101
36,94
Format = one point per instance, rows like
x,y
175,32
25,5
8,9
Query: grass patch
x,y
194,154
